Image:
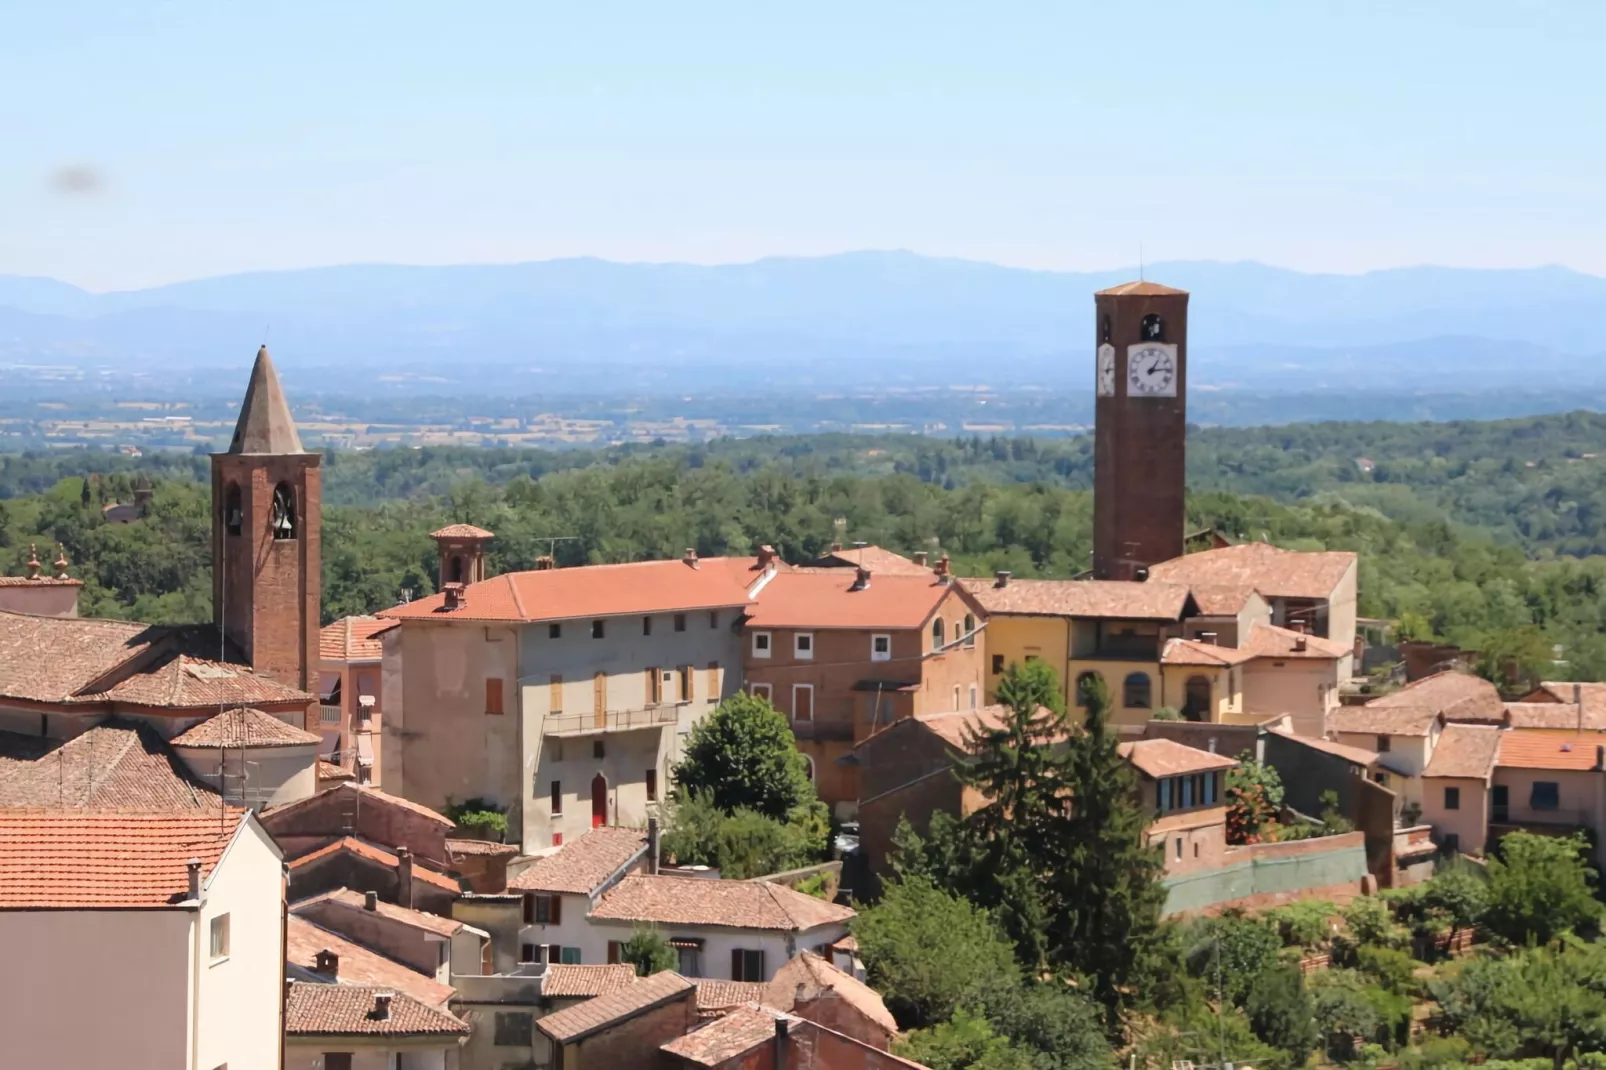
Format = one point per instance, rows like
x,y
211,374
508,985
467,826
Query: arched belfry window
x,y
456,569
1104,329
1153,328
284,512
233,512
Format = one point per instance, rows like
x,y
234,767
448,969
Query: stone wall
x,y
1293,870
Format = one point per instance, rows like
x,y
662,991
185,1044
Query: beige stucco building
x,y
192,958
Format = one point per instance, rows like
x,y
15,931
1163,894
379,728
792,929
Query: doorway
x,y
1196,704
1499,803
599,801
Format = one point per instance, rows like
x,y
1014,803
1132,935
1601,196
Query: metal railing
x,y
583,724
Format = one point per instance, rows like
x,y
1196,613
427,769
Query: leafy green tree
x,y
1055,1022
1539,887
930,953
1460,894
649,953
1254,796
743,757
1343,1012
964,1042
1548,999
743,844
1230,953
1281,1013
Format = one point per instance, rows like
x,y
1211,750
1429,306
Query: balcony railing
x,y
328,714
1529,818
823,730
590,724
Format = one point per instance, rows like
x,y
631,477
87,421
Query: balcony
x,y
1558,822
329,715
596,724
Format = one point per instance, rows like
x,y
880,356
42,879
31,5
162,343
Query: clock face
x,y
1106,371
1151,370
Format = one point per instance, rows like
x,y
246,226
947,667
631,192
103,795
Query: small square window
x,y
1382,744
527,953
763,691
1452,798
596,629
680,622
597,749
554,631
761,644
803,645
881,648
1546,795
220,936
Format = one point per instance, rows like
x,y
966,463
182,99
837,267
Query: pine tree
x,y
1106,897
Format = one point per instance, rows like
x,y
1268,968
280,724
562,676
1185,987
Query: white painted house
x,y
176,918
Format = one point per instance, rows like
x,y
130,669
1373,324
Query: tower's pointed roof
x,y
265,424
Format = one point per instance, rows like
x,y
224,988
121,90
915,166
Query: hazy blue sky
x,y
148,142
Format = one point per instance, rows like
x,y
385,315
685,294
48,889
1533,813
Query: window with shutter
x,y
651,778
711,680
555,693
685,683
529,912
493,694
557,798
337,1060
747,964
655,687
614,948
557,910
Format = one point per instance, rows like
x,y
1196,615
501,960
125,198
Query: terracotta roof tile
x,y
586,864
1359,755
331,771
715,996
1270,641
1459,696
1543,750
314,1009
576,1023
116,765
353,639
1115,599
1465,750
461,848
1383,720
347,900
1592,695
1165,757
38,581
461,531
808,976
358,965
1557,716
879,561
364,849
1274,572
369,794
245,727
729,1037
1197,652
86,859
53,659
179,681
586,982
726,903
824,598
1221,599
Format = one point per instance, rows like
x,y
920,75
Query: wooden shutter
x,y
803,703
554,699
529,910
557,798
557,910
711,681
613,952
599,698
651,778
685,683
655,687
493,694
736,964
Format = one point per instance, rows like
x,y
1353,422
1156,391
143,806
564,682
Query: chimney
x,y
370,900
456,596
1208,638
1002,577
404,877
861,579
836,546
691,557
1300,643
545,562
782,1028
1210,745
328,962
193,866
766,556
652,846
919,557
941,569
382,1005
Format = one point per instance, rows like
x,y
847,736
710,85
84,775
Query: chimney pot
x,y
1002,576
1208,637
691,557
382,1004
193,867
1140,574
545,562
370,900
766,556
328,962
920,558
861,579
456,596
941,569
1300,643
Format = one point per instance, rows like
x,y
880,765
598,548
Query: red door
x,y
599,801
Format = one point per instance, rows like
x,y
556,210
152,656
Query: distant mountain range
x,y
856,319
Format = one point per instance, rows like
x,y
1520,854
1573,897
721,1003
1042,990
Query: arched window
x,y
284,512
456,570
970,630
1085,684
233,511
936,634
1196,707
1104,329
1135,690
1153,328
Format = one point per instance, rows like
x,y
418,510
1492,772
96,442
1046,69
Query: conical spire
x,y
265,425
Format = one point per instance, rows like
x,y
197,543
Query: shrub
x,y
1307,923
1369,923
1539,888
1232,951
479,816
649,953
1394,970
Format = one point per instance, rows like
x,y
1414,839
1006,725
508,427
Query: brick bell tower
x,y
1140,426
266,521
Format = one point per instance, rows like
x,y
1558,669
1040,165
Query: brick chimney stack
x,y
1003,576
328,962
193,867
861,579
919,558
382,1005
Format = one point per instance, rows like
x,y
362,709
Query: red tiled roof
x,y
714,995
1157,758
729,1037
314,1009
38,581
1543,750
1109,599
586,982
879,561
1459,696
363,849
331,771
1557,716
345,899
358,965
1270,641
461,531
480,847
808,976
369,794
116,765
1383,720
584,865
1465,750
87,859
353,639
641,587
53,659
186,682
1221,599
823,598
245,727
594,1015
1359,755
1592,696
1197,652
1274,572
724,903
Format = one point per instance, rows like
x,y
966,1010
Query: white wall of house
x,y
1402,762
309,1055
138,961
267,776
240,998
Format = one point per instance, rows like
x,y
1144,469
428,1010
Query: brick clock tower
x,y
266,510
1140,422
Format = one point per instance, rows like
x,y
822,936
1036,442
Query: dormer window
x,y
283,517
